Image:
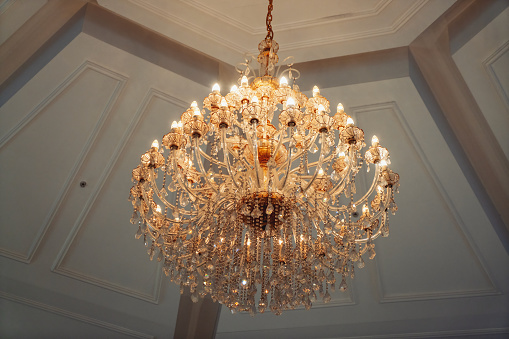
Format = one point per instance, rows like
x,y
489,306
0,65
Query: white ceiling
x,y
306,30
70,266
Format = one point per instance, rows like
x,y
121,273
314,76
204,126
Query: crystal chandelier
x,y
265,209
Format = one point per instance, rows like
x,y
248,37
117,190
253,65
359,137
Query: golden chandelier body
x,y
255,223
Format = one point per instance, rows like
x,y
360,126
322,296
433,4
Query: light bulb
x,y
320,172
341,109
280,241
383,164
174,124
374,141
320,109
349,121
158,209
196,113
194,104
365,209
155,144
290,102
215,88
224,103
179,124
248,242
283,82
316,91
243,82
233,89
341,154
254,100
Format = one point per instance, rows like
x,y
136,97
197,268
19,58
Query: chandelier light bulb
x,y
261,214
243,81
316,91
374,141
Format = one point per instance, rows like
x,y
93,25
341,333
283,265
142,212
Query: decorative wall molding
x,y
58,266
458,222
53,96
75,316
493,76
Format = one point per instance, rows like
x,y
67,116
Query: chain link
x,y
268,21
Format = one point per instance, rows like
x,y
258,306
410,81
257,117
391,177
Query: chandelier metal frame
x,y
259,220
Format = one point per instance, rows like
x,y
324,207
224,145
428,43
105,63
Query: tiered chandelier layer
x,y
265,209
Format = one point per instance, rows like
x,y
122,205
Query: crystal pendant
x,y
326,298
245,209
139,233
256,212
343,286
313,149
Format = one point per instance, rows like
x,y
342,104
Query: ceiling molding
x,y
393,28
227,20
75,316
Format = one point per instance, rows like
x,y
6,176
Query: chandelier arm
x,y
377,215
310,141
181,182
200,164
317,227
382,213
340,185
209,158
280,141
289,163
368,193
318,165
226,158
230,149
255,154
153,184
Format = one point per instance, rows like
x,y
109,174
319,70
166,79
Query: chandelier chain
x,y
268,21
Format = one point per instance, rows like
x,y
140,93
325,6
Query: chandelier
x,y
265,211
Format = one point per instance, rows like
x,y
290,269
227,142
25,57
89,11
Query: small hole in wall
x,y
83,184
